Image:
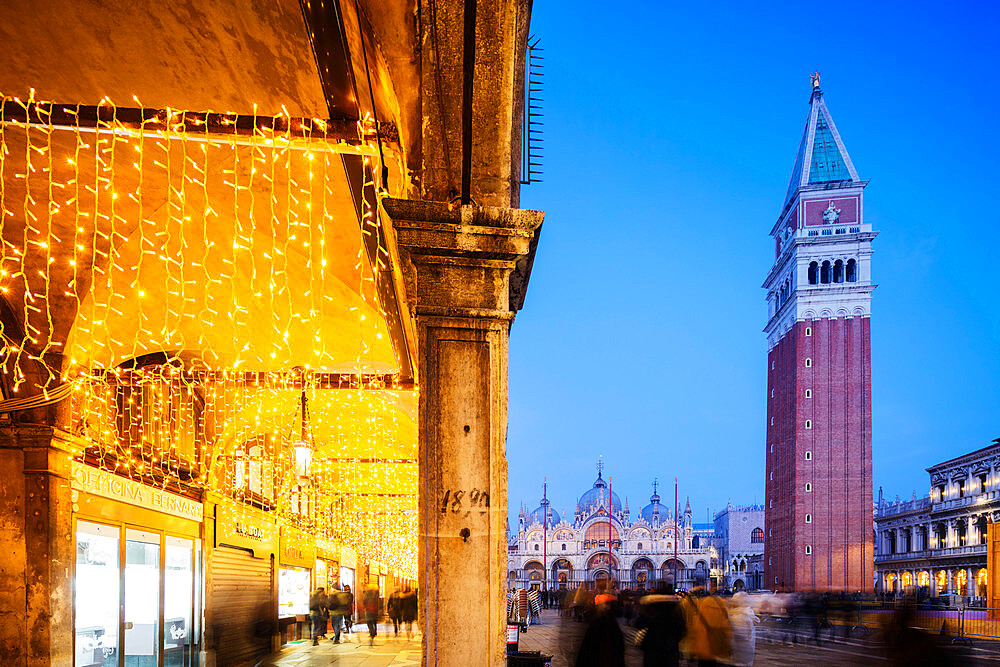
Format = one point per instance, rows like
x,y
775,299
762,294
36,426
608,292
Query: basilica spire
x,y
822,158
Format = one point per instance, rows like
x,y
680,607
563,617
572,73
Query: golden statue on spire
x,y
814,80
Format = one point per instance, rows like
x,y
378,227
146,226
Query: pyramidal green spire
x,y
822,157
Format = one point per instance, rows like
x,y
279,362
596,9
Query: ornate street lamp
x,y
304,447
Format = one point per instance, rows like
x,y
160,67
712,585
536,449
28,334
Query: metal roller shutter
x,y
241,600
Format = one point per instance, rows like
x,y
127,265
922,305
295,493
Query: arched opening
x,y
813,273
838,271
738,585
852,271
961,531
642,573
824,273
981,576
981,526
757,536
923,578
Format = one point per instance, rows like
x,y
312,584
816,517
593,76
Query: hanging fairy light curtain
x,y
189,276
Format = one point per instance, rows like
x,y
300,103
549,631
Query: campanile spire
x,y
818,450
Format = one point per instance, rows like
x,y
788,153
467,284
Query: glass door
x,y
178,602
97,594
142,597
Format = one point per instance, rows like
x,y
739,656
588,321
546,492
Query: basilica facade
x,y
603,544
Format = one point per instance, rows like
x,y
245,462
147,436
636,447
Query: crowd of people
x,y
334,611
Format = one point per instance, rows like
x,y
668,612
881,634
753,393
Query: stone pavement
x,y
560,638
353,651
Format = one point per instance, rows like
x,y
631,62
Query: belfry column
x,y
465,270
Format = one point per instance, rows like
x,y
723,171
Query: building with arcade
x,y
602,544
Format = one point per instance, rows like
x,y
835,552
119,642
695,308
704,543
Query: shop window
x,y
293,591
97,585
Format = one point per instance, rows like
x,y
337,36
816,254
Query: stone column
x,y
465,270
37,546
952,534
970,582
951,581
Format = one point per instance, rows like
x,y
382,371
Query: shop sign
x,y
244,527
296,547
106,484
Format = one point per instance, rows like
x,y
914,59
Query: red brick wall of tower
x,y
840,468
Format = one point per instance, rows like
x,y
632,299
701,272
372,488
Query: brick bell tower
x,y
818,489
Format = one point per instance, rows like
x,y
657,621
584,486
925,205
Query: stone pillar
x,y
970,582
465,270
37,546
952,535
951,581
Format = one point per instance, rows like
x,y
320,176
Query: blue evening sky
x,y
670,131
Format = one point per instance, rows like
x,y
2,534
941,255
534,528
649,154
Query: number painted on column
x,y
458,500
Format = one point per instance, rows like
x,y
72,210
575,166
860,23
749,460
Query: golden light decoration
x,y
187,276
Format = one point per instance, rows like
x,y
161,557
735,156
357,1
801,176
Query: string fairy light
x,y
184,339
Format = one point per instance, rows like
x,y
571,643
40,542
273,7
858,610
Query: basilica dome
x,y
597,497
539,513
655,511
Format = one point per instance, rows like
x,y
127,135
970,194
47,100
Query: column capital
x,y
476,259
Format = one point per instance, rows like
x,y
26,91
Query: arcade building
x,y
603,545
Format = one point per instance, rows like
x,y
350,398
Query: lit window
x,y
809,456
772,448
809,393
809,331
809,518
809,362
809,487
771,503
809,549
809,423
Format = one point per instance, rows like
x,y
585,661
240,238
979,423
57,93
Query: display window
x,y
137,597
293,591
322,580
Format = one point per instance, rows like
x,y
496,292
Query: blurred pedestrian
x,y
349,616
661,626
408,609
369,606
603,643
744,622
339,603
708,631
392,608
317,614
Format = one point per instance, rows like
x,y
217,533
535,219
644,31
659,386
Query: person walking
x,y
408,604
317,614
340,607
349,616
661,627
708,631
392,608
369,605
744,623
603,643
